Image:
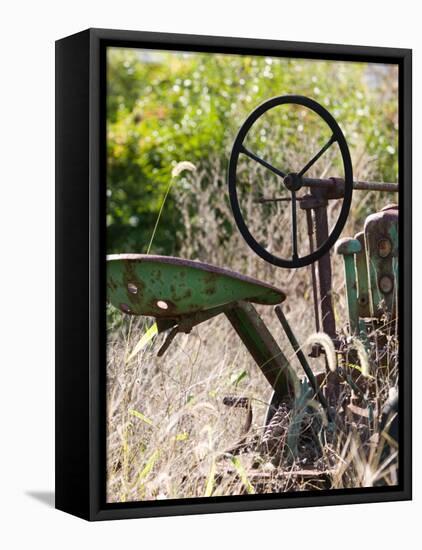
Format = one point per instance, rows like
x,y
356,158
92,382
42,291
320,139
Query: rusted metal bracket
x,y
186,323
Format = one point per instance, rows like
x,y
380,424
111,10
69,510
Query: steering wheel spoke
x,y
317,156
294,227
261,161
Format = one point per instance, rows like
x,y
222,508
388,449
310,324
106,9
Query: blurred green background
x,y
168,107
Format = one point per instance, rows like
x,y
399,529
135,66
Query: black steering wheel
x,y
292,181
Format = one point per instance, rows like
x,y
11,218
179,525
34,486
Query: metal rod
x,y
294,226
324,273
301,356
327,184
277,199
376,186
317,156
261,161
357,185
313,268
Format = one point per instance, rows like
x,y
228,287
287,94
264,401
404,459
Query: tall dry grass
x,y
169,433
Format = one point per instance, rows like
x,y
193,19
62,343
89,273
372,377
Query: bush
x,y
166,107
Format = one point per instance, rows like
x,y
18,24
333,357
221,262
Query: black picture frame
x,y
80,272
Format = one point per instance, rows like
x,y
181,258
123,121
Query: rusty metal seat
x,y
165,287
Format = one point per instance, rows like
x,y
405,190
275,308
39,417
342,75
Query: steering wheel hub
x,y
293,181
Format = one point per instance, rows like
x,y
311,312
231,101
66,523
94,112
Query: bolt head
x,y
292,182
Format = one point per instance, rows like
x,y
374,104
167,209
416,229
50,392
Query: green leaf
x,y
148,466
237,377
182,436
149,335
209,488
360,369
242,474
141,416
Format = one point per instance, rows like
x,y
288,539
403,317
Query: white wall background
x,y
27,37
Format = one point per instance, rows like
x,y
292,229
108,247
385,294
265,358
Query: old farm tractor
x,y
181,294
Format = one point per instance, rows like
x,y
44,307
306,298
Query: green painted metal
x,y
181,294
382,243
367,297
167,287
348,248
371,269
362,278
264,349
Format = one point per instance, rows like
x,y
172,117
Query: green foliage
x,y
168,107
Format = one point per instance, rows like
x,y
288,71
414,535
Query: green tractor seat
x,y
181,294
165,287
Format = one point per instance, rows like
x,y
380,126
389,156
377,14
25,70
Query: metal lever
x,y
348,248
302,359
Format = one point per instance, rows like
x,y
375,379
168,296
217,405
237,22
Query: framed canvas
x,y
233,303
